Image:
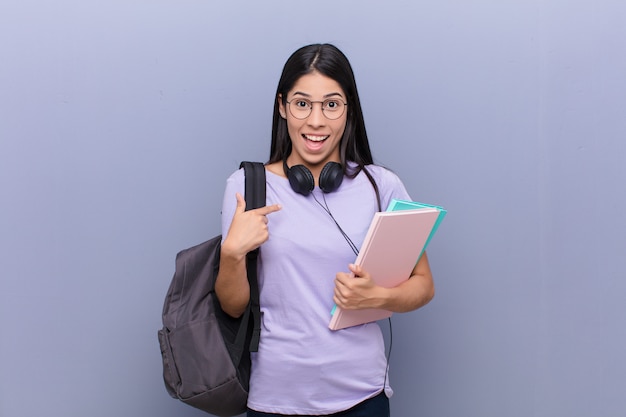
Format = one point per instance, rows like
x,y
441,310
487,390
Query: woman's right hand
x,y
248,230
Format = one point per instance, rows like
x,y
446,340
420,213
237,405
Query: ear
x,y
281,107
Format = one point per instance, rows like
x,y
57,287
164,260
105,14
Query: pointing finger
x,y
263,211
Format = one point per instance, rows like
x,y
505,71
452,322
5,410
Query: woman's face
x,y
315,138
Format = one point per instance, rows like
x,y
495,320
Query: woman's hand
x,y
356,290
248,230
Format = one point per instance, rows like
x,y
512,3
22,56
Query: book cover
x,y
397,205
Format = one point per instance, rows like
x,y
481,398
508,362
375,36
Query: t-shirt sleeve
x,y
234,184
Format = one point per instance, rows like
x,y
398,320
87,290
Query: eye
x,y
302,104
332,104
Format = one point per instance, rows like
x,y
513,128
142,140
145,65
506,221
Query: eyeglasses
x,y
332,108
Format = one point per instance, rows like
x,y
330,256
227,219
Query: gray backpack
x,y
205,352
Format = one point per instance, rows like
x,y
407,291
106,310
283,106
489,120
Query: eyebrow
x,y
326,96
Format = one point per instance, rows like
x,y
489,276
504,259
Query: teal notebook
x,y
396,205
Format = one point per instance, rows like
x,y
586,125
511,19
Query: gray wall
x,y
120,120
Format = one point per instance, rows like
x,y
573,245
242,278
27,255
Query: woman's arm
x,y
357,290
247,232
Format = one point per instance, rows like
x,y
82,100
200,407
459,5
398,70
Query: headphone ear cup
x,y
301,179
331,177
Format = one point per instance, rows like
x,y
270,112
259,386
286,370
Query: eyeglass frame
x,y
311,108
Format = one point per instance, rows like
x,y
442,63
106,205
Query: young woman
x,y
322,191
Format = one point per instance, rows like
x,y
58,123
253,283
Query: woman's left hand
x,y
356,290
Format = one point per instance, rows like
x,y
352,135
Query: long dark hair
x,y
329,61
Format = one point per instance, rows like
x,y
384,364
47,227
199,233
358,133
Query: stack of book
x,y
392,246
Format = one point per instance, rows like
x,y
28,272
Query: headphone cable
x,y
344,234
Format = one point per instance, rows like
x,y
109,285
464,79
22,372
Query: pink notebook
x,y
391,249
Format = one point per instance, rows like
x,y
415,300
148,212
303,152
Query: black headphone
x,y
302,181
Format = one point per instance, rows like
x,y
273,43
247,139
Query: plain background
x,y
120,121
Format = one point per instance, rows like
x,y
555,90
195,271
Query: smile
x,y
315,138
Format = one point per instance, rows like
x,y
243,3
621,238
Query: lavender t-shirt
x,y
302,367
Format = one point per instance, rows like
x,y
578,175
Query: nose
x,y
316,118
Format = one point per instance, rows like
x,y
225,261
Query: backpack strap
x,y
255,198
255,184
